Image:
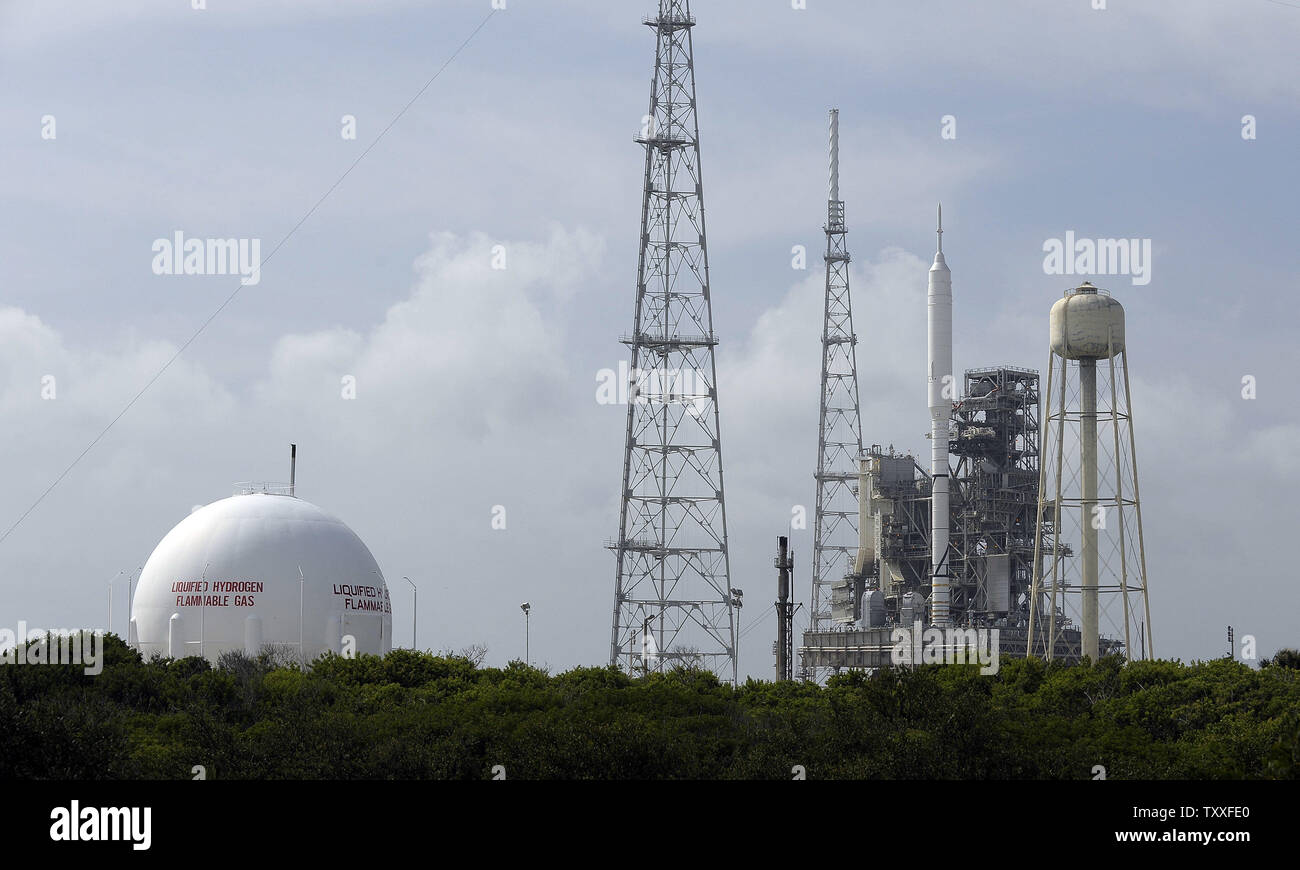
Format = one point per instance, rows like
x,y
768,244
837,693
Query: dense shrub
x,y
415,715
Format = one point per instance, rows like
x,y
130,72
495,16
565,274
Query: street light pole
x,y
526,608
415,612
111,584
302,581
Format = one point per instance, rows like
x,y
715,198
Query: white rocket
x,y
942,391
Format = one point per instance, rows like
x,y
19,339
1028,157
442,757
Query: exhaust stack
x,y
784,611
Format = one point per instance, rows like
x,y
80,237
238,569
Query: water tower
x,y
1089,554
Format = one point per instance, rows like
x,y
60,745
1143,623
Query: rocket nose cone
x,y
940,264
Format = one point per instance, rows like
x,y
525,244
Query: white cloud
x,y
769,393
33,22
1276,448
473,348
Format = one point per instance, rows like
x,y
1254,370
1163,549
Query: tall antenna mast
x,y
673,601
839,431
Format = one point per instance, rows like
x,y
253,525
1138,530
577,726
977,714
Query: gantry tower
x,y
673,601
839,429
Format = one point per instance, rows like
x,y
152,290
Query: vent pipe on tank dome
x,y
293,467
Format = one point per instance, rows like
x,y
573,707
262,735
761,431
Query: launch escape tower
x,y
839,430
673,601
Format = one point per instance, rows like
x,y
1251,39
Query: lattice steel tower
x,y
673,601
839,432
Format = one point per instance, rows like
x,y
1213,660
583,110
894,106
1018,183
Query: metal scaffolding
x,y
995,438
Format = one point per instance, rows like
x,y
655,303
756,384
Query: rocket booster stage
x,y
942,389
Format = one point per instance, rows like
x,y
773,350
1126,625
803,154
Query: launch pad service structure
x,y
1001,540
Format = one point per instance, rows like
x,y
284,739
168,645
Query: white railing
x,y
250,487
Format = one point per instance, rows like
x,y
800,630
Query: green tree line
x,y
413,715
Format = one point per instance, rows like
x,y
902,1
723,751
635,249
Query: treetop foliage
x,y
413,715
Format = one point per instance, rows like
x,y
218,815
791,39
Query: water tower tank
x,y
260,571
1081,322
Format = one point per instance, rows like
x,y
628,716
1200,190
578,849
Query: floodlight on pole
x,y
526,608
415,611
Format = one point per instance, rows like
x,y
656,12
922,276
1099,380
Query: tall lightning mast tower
x,y
673,601
839,431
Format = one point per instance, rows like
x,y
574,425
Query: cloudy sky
x,y
125,123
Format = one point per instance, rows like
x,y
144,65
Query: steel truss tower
x,y
839,431
673,601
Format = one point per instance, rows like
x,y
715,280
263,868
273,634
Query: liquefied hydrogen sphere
x,y
256,572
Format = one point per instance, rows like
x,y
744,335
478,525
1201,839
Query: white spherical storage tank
x,y
260,571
